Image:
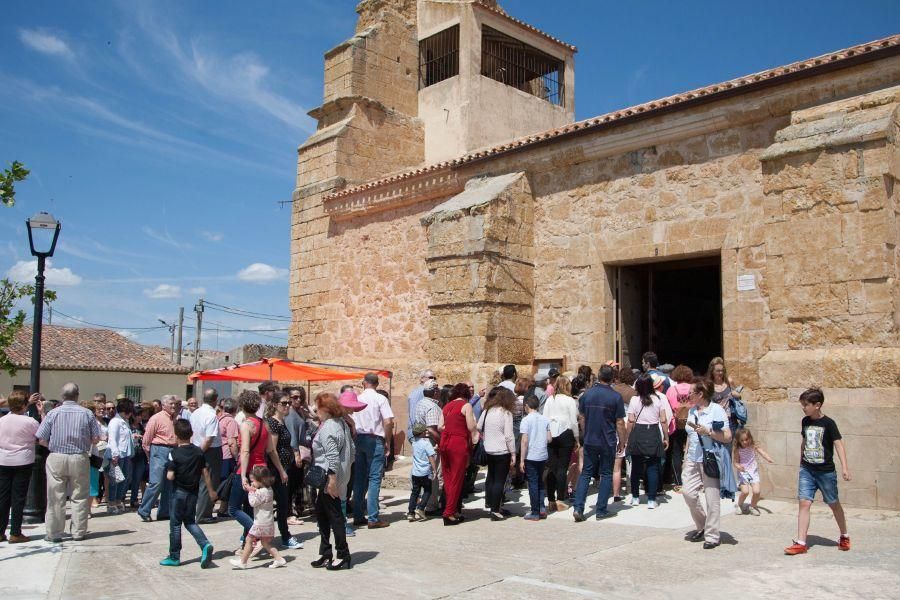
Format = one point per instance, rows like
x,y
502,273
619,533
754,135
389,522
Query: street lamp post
x,y
43,231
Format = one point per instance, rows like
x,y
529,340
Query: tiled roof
x,y
491,7
86,349
747,83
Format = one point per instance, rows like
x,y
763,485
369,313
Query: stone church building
x,y
451,213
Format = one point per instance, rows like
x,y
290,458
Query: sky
x,y
163,134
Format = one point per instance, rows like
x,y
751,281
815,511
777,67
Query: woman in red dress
x,y
457,427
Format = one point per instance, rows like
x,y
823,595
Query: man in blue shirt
x,y
601,415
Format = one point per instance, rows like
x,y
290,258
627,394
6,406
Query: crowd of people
x,y
270,458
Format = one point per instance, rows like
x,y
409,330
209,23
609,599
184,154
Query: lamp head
x,y
43,231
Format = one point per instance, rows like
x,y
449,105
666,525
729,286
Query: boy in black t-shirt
x,y
820,438
185,468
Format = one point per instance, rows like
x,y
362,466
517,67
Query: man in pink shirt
x,y
159,439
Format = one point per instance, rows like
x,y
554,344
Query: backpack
x,y
681,415
738,412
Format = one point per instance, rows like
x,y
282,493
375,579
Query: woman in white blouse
x,y
119,452
562,412
496,427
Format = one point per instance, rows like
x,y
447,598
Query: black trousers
x,y
282,507
295,489
560,452
13,491
497,471
331,520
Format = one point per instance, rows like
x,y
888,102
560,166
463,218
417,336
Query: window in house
x,y
134,393
507,60
439,57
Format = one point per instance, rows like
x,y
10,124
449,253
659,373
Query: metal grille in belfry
x,y
507,60
439,57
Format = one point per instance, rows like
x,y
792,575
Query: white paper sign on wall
x,y
745,283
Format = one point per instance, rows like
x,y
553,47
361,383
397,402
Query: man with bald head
x,y
68,432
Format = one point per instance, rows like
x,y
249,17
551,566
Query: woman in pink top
x,y
679,396
648,436
17,441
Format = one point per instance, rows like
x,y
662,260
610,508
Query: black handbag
x,y
316,477
223,490
479,454
96,461
710,462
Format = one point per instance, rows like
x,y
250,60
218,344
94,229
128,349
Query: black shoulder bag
x,y
710,462
479,454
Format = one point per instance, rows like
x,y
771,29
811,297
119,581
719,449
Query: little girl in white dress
x,y
261,497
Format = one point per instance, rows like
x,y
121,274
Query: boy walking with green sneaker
x,y
185,468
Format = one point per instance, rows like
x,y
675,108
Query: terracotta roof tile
x,y
86,349
501,13
646,108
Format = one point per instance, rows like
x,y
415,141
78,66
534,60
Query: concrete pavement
x,y
638,553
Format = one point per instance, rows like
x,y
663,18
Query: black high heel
x,y
323,561
344,564
451,521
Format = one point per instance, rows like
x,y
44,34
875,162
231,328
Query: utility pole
x,y
171,329
180,327
199,310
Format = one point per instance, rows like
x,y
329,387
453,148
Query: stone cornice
x,y
411,188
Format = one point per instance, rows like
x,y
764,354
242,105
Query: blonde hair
x,y
563,385
741,434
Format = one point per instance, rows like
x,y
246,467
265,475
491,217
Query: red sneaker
x,y
844,543
795,548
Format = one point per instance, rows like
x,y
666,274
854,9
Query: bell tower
x,y
485,78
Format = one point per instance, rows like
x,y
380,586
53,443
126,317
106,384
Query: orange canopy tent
x,y
281,369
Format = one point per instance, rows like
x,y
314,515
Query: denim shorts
x,y
810,481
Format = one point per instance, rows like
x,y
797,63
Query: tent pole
x,y
308,392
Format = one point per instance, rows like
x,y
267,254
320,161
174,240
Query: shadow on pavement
x,y
363,556
815,540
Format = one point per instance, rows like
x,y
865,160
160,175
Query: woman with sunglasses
x,y
281,437
706,425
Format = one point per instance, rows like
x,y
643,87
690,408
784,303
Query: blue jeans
x,y
138,466
159,486
239,505
534,473
596,458
637,471
181,512
367,477
809,481
421,484
117,489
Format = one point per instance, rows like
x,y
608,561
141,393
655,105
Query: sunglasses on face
x,y
296,397
283,403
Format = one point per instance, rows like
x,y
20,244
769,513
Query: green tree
x,y
8,178
12,319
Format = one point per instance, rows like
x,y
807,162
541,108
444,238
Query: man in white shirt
x,y
374,426
509,377
206,436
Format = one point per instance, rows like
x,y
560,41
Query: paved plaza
x,y
638,554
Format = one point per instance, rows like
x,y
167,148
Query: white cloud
x,y
212,236
41,40
24,271
127,334
261,273
197,290
164,290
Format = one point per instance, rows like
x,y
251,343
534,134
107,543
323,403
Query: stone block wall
x,y
480,262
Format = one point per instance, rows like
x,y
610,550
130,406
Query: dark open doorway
x,y
673,308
